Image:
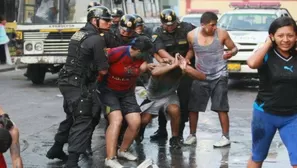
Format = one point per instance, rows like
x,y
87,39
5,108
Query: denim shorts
x,y
264,127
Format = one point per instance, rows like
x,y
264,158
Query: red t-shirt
x,y
123,70
2,161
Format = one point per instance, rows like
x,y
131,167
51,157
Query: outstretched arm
x,y
193,73
162,69
15,152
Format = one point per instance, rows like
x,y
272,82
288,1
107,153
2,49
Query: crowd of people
x,y
185,66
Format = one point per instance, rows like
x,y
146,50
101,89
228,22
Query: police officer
x,y
124,34
86,57
171,38
141,29
116,17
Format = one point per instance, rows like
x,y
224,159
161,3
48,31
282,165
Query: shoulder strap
x,y
196,31
87,36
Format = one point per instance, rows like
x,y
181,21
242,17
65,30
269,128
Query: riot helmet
x,y
99,12
128,22
139,20
168,17
117,13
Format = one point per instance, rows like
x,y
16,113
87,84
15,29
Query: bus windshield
x,y
52,11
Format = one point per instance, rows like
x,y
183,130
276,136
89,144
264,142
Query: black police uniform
x,y
114,27
113,38
148,31
85,58
173,43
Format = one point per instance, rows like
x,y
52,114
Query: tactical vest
x,y
176,42
75,66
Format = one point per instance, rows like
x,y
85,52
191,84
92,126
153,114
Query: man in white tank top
x,y
208,43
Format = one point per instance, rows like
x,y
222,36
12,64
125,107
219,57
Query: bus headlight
x,y
38,46
33,47
29,47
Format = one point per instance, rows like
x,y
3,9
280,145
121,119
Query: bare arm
x,y
256,60
158,58
1,111
190,53
15,152
144,67
193,73
162,69
165,55
227,41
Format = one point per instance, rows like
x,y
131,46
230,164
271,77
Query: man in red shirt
x,y
5,142
117,94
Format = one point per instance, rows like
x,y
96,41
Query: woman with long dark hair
x,y
275,107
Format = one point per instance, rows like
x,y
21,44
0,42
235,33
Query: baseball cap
x,y
143,43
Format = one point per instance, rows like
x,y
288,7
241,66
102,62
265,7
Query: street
x,y
37,111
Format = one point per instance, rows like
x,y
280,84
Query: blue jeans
x,y
264,126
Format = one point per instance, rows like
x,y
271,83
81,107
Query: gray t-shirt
x,y
162,86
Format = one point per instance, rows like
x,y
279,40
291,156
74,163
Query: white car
x,y
192,18
248,28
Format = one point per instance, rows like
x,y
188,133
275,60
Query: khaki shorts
x,y
156,105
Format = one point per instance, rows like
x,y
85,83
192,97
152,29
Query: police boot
x,y
175,143
160,134
72,161
56,151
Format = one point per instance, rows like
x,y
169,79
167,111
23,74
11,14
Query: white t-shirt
x,y
45,8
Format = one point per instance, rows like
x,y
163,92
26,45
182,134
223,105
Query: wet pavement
x,y
37,111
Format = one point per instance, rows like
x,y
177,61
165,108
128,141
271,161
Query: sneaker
x,y
175,142
159,135
127,155
191,139
113,163
222,142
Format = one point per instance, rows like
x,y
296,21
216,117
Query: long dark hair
x,y
282,22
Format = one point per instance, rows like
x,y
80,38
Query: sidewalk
x,y
5,67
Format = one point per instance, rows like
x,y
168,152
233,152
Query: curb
x,y
12,67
